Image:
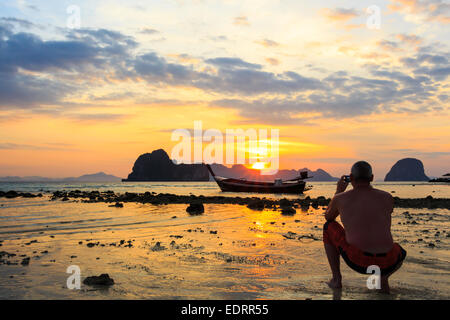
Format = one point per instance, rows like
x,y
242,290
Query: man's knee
x,y
328,224
331,230
326,238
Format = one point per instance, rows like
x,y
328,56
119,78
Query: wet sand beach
x,y
157,251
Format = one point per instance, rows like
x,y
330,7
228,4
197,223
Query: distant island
x,y
444,178
157,166
239,171
408,169
95,177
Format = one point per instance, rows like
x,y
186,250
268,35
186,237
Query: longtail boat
x,y
296,185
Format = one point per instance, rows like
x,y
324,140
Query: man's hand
x,y
341,185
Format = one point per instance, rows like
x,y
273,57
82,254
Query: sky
x,y
88,86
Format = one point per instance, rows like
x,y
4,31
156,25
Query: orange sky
x,y
93,98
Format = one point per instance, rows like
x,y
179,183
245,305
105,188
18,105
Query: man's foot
x,y
385,291
335,283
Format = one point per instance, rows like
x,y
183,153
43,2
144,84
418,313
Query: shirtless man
x,y
365,238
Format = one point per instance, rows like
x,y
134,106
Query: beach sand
x,y
229,252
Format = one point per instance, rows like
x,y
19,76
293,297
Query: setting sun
x,y
259,165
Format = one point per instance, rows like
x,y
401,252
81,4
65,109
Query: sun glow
x,y
259,165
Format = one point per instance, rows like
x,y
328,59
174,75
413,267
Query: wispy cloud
x,y
421,153
273,61
341,17
410,39
241,21
12,21
40,147
149,31
268,43
340,14
427,10
97,117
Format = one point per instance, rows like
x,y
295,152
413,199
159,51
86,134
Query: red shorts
x,y
358,260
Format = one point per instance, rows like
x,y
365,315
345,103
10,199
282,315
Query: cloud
x,y
422,154
288,111
233,75
219,38
268,43
185,58
11,22
23,4
340,14
157,70
25,91
107,42
18,146
425,58
82,47
251,82
32,69
273,61
435,65
341,17
96,117
36,72
388,45
29,52
112,96
241,21
427,10
341,95
409,39
225,62
105,53
149,31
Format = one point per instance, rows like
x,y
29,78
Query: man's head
x,y
361,172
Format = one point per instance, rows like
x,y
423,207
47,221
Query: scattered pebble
x,y
25,261
101,280
195,209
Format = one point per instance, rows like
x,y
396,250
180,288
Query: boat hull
x,y
293,188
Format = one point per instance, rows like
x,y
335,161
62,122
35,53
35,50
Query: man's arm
x,y
332,211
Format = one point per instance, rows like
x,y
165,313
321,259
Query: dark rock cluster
x,y
253,203
195,202
429,202
14,194
121,243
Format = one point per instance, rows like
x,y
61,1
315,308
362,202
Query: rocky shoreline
x,y
255,203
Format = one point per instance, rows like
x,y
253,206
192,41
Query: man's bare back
x,y
366,216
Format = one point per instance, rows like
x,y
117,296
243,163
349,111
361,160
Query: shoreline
x,y
257,203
